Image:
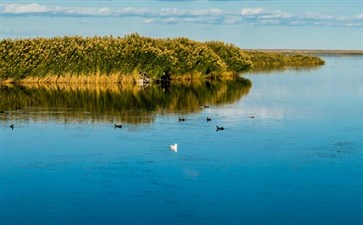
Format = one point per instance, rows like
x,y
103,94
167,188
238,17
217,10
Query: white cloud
x,y
24,8
250,16
251,11
174,12
170,12
87,11
34,8
171,20
129,11
315,16
104,11
149,21
199,20
276,15
206,12
233,20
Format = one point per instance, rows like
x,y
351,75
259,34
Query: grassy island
x,y
125,59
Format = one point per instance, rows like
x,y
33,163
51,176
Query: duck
x,y
219,128
174,147
181,119
208,119
206,106
118,126
12,126
252,117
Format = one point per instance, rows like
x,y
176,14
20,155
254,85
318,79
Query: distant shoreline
x,y
312,51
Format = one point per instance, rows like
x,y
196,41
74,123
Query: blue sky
x,y
268,24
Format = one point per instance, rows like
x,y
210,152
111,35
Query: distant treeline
x,y
122,59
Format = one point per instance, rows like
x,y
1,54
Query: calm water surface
x,y
298,161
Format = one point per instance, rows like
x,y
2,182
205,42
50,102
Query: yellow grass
x,y
79,79
114,78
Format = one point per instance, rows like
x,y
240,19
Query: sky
x,y
268,24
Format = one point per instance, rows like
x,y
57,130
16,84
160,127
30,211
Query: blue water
x,y
298,161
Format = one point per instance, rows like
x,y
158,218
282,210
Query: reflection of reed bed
x,y
119,103
74,117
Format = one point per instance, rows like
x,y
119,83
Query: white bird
x,y
174,147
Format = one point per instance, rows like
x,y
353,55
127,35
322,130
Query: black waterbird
x,y
118,126
219,128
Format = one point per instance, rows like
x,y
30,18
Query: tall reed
x,y
122,59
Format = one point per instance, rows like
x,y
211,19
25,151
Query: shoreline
x,y
116,78
311,51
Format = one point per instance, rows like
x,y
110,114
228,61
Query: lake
x,y
291,151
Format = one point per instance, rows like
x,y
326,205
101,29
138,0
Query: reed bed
x,y
122,59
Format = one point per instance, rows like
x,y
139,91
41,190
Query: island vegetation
x,y
125,59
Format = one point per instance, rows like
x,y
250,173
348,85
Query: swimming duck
x,y
208,119
118,126
219,128
12,126
181,119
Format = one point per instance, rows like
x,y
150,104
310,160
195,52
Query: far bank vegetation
x,y
123,59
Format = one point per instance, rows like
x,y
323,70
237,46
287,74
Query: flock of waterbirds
x,y
173,147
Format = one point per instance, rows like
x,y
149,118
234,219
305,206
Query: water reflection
x,y
110,102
